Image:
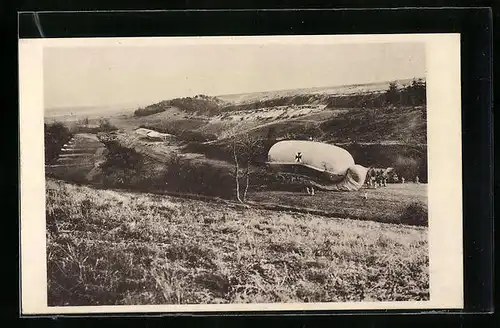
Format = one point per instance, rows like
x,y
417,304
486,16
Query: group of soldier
x,y
375,178
379,178
375,181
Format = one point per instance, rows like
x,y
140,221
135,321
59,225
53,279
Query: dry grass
x,y
389,204
107,247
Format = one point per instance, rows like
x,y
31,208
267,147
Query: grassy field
x,y
108,247
395,203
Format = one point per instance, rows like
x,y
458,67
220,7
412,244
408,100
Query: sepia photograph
x,y
195,171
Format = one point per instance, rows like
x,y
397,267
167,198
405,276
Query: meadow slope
x,y
108,247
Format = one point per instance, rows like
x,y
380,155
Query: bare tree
x,y
247,182
245,150
236,172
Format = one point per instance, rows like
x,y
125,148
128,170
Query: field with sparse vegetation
x,y
109,247
236,233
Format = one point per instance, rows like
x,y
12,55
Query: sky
x,y
106,76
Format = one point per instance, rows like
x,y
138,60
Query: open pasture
x,y
109,247
394,203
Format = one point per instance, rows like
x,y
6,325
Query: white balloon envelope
x,y
317,160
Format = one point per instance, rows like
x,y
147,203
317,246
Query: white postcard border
x,y
444,161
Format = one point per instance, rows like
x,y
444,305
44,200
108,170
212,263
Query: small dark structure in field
x,y
316,164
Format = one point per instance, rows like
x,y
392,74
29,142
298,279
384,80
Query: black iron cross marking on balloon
x,y
298,157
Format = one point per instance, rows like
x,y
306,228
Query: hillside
x,y
391,134
345,126
109,247
245,98
387,125
200,105
379,112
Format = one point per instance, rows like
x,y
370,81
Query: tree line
x,y
413,94
410,95
200,104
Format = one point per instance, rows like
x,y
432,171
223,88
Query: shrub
x,y
127,168
199,105
56,135
407,167
414,214
205,179
122,165
196,136
152,109
106,126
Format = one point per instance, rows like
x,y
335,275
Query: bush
x,y
106,126
122,165
201,104
56,135
204,179
209,180
127,168
407,167
195,136
414,214
152,109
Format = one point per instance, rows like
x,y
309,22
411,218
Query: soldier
x,y
378,180
372,179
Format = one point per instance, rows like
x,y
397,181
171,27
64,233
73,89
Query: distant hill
x,y
72,112
351,96
200,105
341,90
393,111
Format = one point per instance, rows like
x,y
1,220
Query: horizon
x,y
327,86
247,93
136,76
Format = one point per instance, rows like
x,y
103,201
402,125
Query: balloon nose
x,y
358,173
